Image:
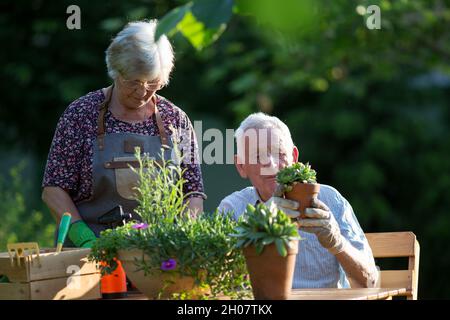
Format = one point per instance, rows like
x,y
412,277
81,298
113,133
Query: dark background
x,y
369,109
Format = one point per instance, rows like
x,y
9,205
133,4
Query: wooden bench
x,y
396,245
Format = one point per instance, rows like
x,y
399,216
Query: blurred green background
x,y
369,109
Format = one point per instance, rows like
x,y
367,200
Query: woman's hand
x,y
59,201
195,206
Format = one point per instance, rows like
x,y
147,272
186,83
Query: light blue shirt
x,y
315,267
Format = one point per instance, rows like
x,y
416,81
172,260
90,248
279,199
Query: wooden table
x,y
327,294
346,294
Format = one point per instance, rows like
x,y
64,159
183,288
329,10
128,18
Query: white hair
x,y
134,54
261,120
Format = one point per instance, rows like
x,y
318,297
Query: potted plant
x,y
298,182
270,244
170,254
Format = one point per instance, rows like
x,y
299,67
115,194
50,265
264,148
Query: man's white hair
x,y
261,120
135,55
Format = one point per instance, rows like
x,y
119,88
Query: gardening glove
x,y
81,235
319,220
289,207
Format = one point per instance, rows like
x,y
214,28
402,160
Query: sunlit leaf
x,y
196,32
168,24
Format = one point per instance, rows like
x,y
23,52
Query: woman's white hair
x,y
261,120
134,54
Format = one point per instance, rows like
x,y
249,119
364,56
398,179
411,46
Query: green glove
x,y
81,235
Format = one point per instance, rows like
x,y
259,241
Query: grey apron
x,y
113,180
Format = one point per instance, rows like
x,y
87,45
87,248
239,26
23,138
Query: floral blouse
x,y
70,160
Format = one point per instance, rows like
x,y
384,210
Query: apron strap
x,y
162,132
103,108
101,118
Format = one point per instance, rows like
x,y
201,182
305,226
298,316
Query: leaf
x,y
196,32
280,247
259,248
268,240
169,23
213,13
240,243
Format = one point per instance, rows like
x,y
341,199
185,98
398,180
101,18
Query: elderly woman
x,y
87,172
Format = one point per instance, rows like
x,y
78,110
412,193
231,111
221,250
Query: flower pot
x,y
271,275
151,285
303,193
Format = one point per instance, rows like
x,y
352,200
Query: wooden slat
x,y
51,266
14,291
53,289
345,294
396,279
57,265
414,265
57,289
391,244
14,273
325,294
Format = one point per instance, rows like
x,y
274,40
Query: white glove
x,y
320,221
275,203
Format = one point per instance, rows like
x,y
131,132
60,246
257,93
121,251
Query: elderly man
x,y
334,249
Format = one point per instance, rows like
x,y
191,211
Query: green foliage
x,y
296,173
196,244
261,227
20,223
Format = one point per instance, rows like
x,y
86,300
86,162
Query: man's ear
x,y
240,167
295,154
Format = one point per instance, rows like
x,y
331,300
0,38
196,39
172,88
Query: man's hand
x,y
319,220
275,203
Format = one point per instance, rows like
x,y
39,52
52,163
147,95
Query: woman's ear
x,y
295,154
240,167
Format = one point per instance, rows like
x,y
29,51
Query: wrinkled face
x,y
263,155
133,94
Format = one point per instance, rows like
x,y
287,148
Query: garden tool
x,y
115,217
62,231
114,285
23,250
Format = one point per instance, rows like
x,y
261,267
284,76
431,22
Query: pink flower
x,y
168,265
140,226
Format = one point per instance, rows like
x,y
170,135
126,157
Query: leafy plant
x,y
298,172
173,241
261,227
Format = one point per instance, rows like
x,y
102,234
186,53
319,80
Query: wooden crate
x,y
64,276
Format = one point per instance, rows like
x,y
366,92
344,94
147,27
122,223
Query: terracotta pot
x,y
303,193
152,284
271,275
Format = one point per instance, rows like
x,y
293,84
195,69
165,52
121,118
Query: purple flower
x,y
140,226
168,265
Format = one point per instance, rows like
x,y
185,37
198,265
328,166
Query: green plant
x,y
261,227
22,220
298,172
173,241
